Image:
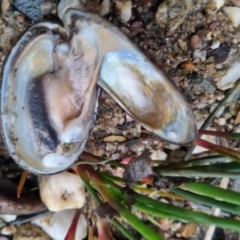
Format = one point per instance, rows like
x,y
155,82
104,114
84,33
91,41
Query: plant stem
x,y
73,227
229,135
225,151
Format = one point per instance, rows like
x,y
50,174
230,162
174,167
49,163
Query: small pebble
x,y
136,25
227,115
219,3
196,41
210,7
5,5
209,66
138,148
182,44
115,156
215,45
187,231
21,18
187,66
9,230
231,76
158,155
125,9
235,41
237,130
237,119
105,7
214,25
46,7
220,54
100,153
110,147
221,121
121,121
115,120
218,75
129,118
233,14
233,108
200,54
139,128
236,3
194,77
209,36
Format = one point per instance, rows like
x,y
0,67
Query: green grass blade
x,y
190,216
197,161
233,167
137,224
194,173
213,192
123,230
111,177
113,195
92,192
235,209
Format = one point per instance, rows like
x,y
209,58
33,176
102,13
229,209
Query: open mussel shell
x,y
49,96
147,95
44,130
142,89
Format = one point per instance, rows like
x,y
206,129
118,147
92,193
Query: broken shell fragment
x,y
56,225
49,96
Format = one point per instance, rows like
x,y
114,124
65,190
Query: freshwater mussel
x,y
49,90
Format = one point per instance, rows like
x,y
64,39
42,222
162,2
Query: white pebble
x,y
158,155
221,121
233,14
215,45
62,191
